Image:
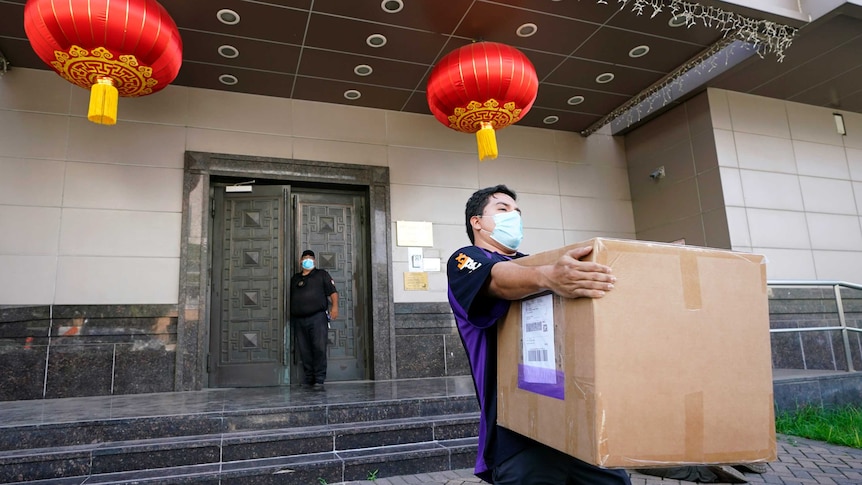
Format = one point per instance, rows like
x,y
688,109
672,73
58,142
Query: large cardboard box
x,y
671,367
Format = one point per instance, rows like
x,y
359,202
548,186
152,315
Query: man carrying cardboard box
x,y
482,282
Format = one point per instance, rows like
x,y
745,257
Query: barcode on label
x,y
537,355
533,327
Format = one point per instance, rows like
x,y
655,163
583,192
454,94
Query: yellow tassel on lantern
x,y
103,102
487,141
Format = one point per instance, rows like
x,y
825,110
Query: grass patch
x,y
839,426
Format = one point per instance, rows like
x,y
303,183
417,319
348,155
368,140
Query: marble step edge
x,y
330,467
248,437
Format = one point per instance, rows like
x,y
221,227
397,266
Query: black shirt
x,y
308,294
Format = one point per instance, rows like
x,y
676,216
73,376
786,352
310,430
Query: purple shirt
x,y
476,313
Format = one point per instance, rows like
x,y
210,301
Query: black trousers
x,y
311,336
543,465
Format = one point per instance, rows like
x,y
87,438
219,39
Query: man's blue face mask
x,y
307,264
508,229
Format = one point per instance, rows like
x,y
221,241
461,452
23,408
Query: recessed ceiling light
x,y
678,20
363,70
392,6
550,120
228,16
575,100
228,51
228,79
352,94
527,30
376,40
639,51
605,77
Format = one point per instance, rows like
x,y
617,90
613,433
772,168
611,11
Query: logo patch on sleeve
x,y
467,262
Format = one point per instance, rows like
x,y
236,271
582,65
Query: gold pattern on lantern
x,y
470,119
84,68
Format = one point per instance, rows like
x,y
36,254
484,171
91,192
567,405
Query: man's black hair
x,y
478,201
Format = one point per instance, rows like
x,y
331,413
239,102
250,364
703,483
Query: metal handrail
x,y
845,330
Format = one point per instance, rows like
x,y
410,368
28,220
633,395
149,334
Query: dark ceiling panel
x,y
253,54
499,23
583,73
416,14
405,44
329,91
595,102
338,65
575,41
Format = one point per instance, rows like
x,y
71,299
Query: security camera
x,y
657,173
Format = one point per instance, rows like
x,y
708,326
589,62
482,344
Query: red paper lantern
x,y
482,87
120,47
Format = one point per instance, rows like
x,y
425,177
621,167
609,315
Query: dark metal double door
x,y
257,238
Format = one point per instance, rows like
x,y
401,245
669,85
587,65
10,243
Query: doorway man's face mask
x,y
307,263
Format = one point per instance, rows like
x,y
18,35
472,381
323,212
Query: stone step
x,y
84,431
202,452
315,468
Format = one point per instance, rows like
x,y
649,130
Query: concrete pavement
x,y
800,462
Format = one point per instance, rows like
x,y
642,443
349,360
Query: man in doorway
x,y
482,282
313,302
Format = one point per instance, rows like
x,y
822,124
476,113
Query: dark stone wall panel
x,y
419,356
145,366
79,370
22,370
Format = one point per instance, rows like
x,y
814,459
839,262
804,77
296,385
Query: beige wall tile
x,y
838,265
665,204
690,229
224,110
541,240
778,229
710,190
854,161
29,230
828,195
540,211
678,165
601,216
669,129
703,151
758,115
575,237
857,193
33,135
731,186
595,149
424,131
339,122
239,143
788,264
101,186
168,106
31,182
417,166
821,160
853,124
433,204
36,90
103,280
448,238
829,231
697,111
96,232
759,152
771,190
339,151
593,180
27,280
525,142
737,226
719,109
127,143
520,175
437,287
812,124
725,148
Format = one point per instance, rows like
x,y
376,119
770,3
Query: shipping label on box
x,y
671,367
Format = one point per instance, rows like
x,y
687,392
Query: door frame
x,y
195,278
